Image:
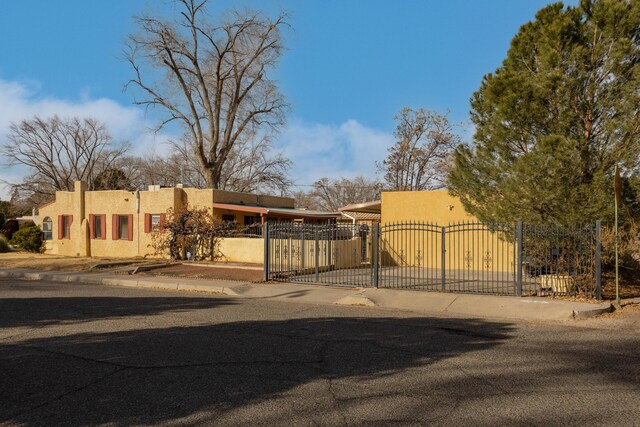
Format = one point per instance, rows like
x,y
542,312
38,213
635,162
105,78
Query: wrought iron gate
x,y
470,257
336,254
502,259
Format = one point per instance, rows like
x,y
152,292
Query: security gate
x,y
336,254
500,259
460,258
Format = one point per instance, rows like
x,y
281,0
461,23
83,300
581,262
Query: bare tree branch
x,y
214,79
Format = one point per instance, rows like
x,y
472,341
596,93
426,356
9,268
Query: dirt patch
x,y
200,272
33,261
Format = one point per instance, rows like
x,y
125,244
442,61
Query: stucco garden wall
x,y
241,249
467,247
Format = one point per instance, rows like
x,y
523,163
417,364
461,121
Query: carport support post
x,y
598,261
519,265
265,233
374,252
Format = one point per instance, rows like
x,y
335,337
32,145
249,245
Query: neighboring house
x,y
362,213
118,223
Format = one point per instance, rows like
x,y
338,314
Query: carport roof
x,y
366,207
289,212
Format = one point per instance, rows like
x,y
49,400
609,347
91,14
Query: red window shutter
x,y
92,223
147,223
60,226
103,227
130,226
114,227
162,221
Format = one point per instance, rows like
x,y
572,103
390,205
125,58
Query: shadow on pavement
x,y
238,372
34,312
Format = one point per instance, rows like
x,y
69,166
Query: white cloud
x,y
23,100
317,150
347,150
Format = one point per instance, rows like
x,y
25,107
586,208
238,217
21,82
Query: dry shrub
x,y
628,246
189,233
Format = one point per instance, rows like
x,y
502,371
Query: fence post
x,y
443,253
519,265
304,229
598,260
317,253
265,233
375,241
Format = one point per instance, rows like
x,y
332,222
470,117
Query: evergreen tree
x,y
554,119
111,179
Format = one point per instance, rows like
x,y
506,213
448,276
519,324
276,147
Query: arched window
x,y
47,229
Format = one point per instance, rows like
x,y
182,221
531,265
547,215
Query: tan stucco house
x,y
119,223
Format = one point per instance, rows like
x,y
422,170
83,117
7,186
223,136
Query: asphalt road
x,y
75,354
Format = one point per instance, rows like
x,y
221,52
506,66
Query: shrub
x,y
4,245
9,228
27,224
29,239
628,245
189,234
2,219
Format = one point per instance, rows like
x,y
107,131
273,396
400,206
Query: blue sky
x,y
350,66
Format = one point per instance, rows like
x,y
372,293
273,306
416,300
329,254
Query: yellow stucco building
x,y
120,223
412,234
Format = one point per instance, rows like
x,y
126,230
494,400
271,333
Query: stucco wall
x,y
198,198
63,205
437,207
295,254
109,203
220,196
467,248
242,250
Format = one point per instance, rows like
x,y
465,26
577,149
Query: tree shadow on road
x,y
240,372
35,312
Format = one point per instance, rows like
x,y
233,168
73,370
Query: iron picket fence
x,y
336,254
471,257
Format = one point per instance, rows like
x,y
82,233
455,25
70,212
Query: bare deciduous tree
x,y
163,171
333,194
420,158
305,200
215,78
58,152
251,167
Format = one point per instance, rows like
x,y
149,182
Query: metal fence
x,y
337,254
501,259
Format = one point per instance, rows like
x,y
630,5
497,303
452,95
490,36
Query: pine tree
x,y
554,119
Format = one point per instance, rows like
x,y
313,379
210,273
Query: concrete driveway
x,y
78,354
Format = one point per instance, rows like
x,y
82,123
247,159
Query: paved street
x,y
91,354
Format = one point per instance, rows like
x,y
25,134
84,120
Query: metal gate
x,y
470,257
336,254
499,259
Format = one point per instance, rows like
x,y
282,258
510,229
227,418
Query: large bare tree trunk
x,y
215,81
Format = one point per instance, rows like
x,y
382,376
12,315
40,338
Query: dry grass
x,y
35,261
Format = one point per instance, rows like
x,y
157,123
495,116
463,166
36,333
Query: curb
x,y
358,300
110,281
444,304
584,314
